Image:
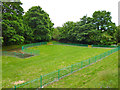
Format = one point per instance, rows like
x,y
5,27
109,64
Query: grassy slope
x,y
51,58
101,74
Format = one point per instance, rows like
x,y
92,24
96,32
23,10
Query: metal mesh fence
x,y
85,45
49,78
31,51
33,44
108,46
58,43
15,54
30,84
27,50
56,75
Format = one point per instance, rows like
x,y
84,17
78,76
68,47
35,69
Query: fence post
x,y
22,48
95,58
71,68
101,55
15,87
81,64
89,61
41,81
58,74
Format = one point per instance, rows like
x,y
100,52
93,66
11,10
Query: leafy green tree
x,y
67,31
103,23
28,34
102,20
96,30
84,33
81,31
12,24
12,9
56,33
38,20
86,20
117,34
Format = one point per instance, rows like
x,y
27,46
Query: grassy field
x,y
51,58
102,74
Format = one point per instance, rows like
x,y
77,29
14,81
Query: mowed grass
x,y
103,74
51,58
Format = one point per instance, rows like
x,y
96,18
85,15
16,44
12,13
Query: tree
x,y
38,20
86,20
98,29
117,34
12,24
67,31
103,23
56,33
81,31
85,33
28,34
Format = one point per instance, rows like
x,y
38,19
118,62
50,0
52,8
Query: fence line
x,y
56,75
33,44
85,45
14,54
25,48
32,51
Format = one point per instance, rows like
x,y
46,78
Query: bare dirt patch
x,y
19,82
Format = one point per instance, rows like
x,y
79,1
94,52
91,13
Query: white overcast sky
x,y
61,11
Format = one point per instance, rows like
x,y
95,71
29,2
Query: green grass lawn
x,y
102,74
51,58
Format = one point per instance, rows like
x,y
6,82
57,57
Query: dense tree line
x,y
36,26
98,29
17,28
12,24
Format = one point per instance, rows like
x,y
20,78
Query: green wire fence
x,y
27,50
108,46
59,43
14,54
31,51
56,75
33,44
26,53
85,45
46,79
